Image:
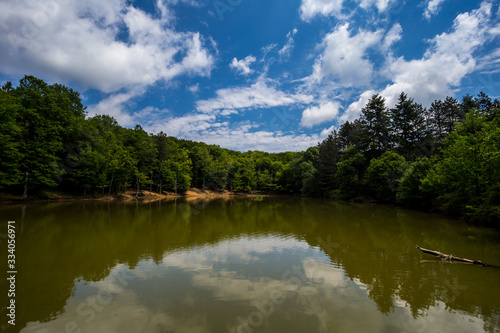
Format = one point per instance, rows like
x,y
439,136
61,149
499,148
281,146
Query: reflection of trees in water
x,y
62,243
378,249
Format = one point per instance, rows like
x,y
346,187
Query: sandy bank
x,y
144,196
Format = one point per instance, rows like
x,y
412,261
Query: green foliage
x,y
10,135
375,123
444,114
408,126
409,191
383,175
310,181
350,134
467,178
328,157
40,123
301,174
177,173
350,172
245,179
452,151
454,148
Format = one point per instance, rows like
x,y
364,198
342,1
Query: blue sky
x,y
251,74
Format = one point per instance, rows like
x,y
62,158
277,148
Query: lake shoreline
x,y
129,195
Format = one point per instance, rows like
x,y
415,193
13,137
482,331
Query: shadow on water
x,y
206,265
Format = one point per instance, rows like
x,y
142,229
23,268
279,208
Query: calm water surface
x,y
276,265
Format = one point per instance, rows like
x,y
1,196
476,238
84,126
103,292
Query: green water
x,y
276,265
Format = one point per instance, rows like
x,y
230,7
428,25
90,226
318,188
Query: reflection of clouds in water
x,y
437,319
360,284
243,251
110,308
243,248
324,273
125,315
310,288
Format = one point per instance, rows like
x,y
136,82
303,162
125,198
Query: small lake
x,y
246,265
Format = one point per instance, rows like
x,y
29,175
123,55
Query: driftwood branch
x,y
450,257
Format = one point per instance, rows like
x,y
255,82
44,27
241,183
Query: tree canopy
x,y
443,158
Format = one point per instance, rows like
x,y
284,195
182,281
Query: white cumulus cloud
x,y
432,8
316,115
311,8
382,5
393,35
243,66
258,95
104,45
239,136
448,59
344,57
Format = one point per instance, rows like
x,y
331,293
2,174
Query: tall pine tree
x,y
376,124
328,157
408,126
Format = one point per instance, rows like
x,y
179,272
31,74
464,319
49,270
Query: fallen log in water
x,y
450,257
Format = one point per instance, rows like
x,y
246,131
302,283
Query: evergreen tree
x,y
408,126
350,134
328,157
468,103
376,124
442,116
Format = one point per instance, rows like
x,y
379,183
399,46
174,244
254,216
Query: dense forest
x,y
444,158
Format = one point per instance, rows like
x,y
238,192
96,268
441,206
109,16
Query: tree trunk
x,y
176,183
160,180
151,184
450,257
25,194
111,183
137,190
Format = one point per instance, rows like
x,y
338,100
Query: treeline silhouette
x,y
442,158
